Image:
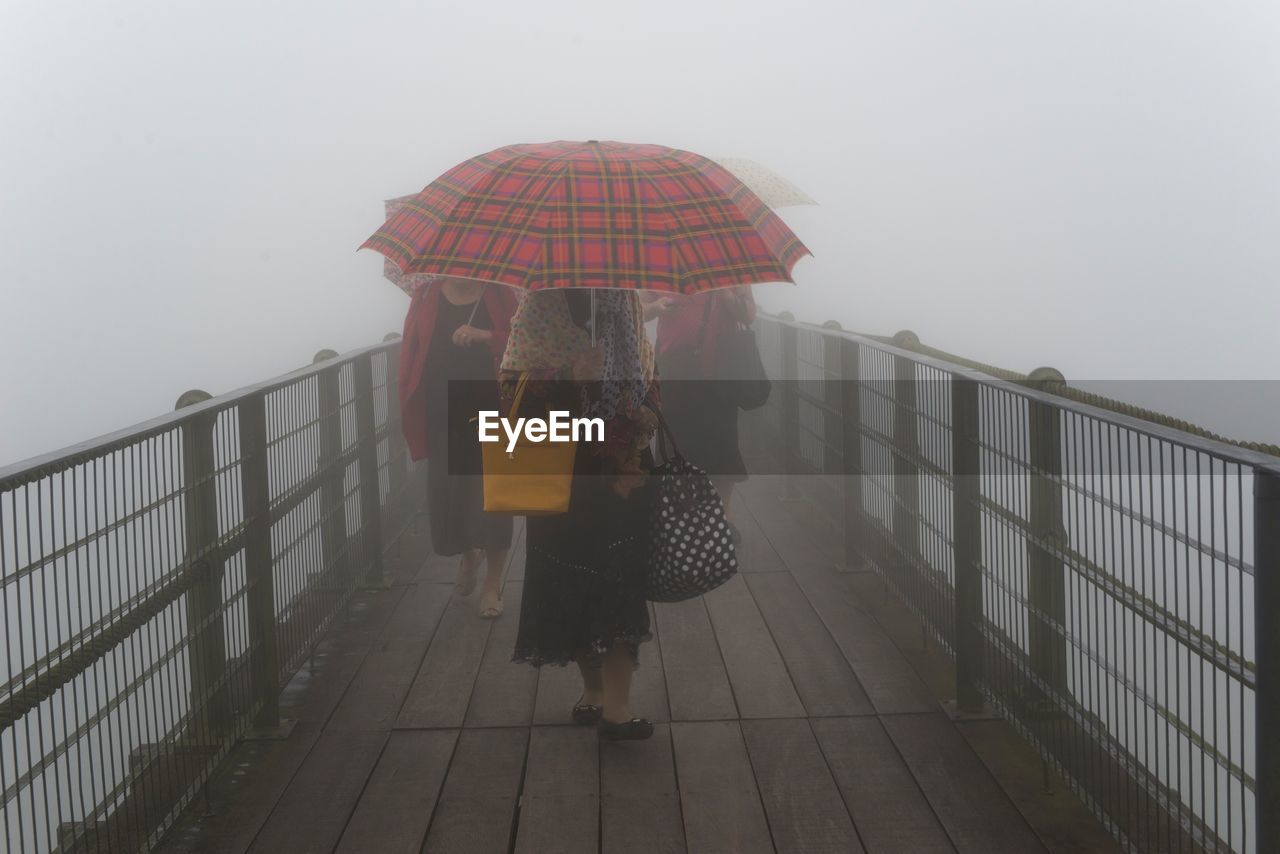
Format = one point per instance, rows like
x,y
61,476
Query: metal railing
x,y
161,584
1105,582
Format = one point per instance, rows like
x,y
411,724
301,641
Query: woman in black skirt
x,y
585,569
454,332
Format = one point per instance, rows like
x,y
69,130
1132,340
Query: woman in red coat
x,y
454,337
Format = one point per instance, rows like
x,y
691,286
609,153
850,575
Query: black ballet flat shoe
x,y
636,729
585,714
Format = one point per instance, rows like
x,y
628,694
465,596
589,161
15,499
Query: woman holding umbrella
x,y
585,569
454,336
586,225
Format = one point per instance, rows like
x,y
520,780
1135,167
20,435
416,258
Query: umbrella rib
x,y
563,163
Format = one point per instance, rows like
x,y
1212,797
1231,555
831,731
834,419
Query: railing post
x,y
370,489
967,542
851,451
333,526
1266,627
207,650
397,464
789,418
260,586
905,548
1046,576
831,482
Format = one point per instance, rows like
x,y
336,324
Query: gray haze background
x,y
1091,185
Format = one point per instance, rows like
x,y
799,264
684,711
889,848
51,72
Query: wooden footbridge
x,y
976,613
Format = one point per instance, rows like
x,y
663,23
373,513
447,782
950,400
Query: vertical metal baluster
x,y
1239,755
1266,606
35,546
23,657
906,481
11,839
259,568
73,625
1183,713
206,643
332,474
1168,484
1146,561
966,527
396,452
50,640
1045,572
851,453
101,573
789,453
367,457
142,700
1196,664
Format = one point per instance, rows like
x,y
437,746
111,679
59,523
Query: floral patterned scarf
x,y
545,338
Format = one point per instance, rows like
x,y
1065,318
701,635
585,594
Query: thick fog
x,y
1089,185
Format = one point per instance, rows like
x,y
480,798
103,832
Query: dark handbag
x,y
691,551
739,359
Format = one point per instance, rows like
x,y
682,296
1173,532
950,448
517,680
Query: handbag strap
x,y
519,395
664,436
475,306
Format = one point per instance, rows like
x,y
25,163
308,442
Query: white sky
x,y
1091,184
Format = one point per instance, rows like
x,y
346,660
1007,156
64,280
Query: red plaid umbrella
x,y
589,215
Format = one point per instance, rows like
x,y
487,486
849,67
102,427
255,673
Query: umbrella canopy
x,y
774,190
403,281
590,215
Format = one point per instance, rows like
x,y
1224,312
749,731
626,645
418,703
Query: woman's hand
x,y
466,335
646,425
631,475
659,306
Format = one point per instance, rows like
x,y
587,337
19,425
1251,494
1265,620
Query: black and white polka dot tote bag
x,y
691,551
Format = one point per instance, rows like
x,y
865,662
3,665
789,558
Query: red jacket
x,y
499,301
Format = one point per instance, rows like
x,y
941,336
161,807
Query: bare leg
x,y
496,560
616,670
724,486
592,681
467,568
491,592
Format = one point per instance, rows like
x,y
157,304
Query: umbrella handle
x,y
475,306
593,318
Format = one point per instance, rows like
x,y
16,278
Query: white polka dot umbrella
x,y
774,190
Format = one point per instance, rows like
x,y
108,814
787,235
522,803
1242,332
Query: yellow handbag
x,y
535,479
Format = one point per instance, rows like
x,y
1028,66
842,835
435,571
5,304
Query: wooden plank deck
x,y
798,711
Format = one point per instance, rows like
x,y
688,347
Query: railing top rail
x,y
1098,409
53,462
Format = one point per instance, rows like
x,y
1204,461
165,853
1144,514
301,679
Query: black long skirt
x,y
584,577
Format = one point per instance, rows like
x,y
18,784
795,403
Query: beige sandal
x,y
467,573
490,606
